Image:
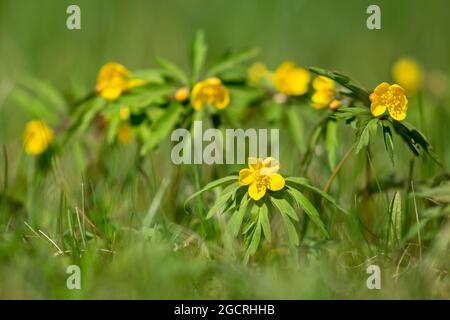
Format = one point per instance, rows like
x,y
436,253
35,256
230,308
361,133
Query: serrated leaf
x,y
309,209
364,133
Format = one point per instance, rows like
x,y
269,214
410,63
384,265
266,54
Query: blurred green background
x,y
332,34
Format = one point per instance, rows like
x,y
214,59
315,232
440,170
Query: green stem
x,y
199,202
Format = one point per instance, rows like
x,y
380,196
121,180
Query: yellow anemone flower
x,y
37,137
291,80
210,91
182,94
324,92
390,97
257,72
113,79
408,74
260,176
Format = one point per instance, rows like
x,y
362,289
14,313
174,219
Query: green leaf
x,y
309,209
256,238
235,221
415,140
212,185
84,115
331,142
351,112
34,107
162,128
364,132
198,55
152,76
172,70
388,141
358,91
264,221
221,201
284,207
46,92
232,61
292,232
395,215
292,181
113,128
296,128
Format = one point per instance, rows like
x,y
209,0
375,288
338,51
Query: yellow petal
x,y
276,182
256,192
225,101
112,93
254,163
246,176
377,109
400,115
270,165
382,88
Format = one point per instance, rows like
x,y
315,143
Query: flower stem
x,y
338,168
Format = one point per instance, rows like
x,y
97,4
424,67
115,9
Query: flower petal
x,y
256,191
276,182
246,176
382,88
254,163
270,165
377,108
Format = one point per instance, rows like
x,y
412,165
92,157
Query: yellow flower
x,y
124,113
257,72
113,79
390,97
260,176
324,92
182,94
37,137
210,91
408,74
291,80
125,133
